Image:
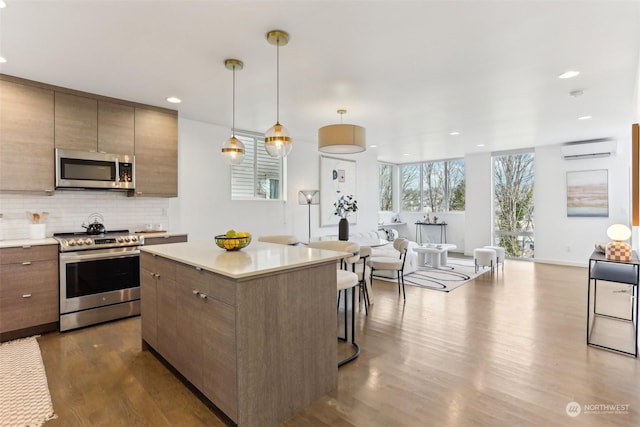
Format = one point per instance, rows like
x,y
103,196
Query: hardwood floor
x,y
507,350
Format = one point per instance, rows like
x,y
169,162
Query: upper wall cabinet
x,y
156,150
76,122
88,124
26,138
115,128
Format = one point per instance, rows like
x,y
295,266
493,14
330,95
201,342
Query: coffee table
x,y
437,253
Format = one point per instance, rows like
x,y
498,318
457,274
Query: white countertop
x,y
27,242
256,259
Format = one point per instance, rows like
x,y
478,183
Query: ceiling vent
x,y
589,149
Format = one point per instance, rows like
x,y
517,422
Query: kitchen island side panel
x,y
286,342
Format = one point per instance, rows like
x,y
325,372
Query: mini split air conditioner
x,y
590,149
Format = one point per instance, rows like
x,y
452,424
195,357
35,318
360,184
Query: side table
x,y
627,273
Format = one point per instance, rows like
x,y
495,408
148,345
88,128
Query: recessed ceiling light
x,y
373,146
2,4
405,154
568,74
454,133
480,145
584,117
174,100
2,60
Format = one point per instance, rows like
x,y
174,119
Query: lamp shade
x,y
277,141
341,139
233,151
618,232
308,197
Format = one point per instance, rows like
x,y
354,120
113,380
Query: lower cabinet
x,y
190,323
28,291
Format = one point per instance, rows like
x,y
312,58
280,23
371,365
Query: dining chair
x,y
345,280
393,264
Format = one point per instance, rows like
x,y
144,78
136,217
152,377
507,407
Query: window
x,y
513,204
385,187
259,176
433,186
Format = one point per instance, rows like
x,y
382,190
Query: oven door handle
x,y
92,255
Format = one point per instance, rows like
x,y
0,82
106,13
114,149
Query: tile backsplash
x,y
68,210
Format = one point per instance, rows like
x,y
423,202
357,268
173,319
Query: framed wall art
x,y
588,193
337,177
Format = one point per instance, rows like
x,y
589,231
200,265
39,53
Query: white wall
x,y
204,207
564,240
478,201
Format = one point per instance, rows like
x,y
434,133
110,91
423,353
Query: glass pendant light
x,y
233,148
277,140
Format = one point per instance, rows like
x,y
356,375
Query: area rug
x,y
456,273
24,392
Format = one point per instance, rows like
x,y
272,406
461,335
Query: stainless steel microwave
x,y
88,169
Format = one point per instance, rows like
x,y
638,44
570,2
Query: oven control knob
x,y
127,238
72,242
87,241
80,242
134,238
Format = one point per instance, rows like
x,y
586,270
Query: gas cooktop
x,y
80,240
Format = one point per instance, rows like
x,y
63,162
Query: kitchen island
x,y
253,330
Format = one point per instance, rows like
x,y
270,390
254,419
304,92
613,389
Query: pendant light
x,y
341,138
233,148
277,140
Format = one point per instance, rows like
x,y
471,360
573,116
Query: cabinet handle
x,y
26,247
199,268
26,263
26,296
195,292
203,296
157,275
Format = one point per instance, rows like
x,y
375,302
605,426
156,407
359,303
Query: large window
x,y
385,186
259,176
513,204
433,186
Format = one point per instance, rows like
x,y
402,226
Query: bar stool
x,y
345,280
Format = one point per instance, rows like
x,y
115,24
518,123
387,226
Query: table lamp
x,y
618,249
309,197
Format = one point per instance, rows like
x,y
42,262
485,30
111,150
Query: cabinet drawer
x,y
19,311
215,286
158,265
28,253
20,279
160,240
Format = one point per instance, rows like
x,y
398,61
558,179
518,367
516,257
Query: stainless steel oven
x,y
99,279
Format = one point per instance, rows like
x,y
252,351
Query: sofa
x,y
411,263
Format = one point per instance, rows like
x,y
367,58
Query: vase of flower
x,y
344,206
343,229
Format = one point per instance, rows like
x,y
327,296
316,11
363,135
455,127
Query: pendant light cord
x,y
233,108
278,80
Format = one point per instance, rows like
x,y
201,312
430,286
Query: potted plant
x,y
343,207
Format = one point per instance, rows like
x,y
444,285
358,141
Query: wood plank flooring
x,y
507,350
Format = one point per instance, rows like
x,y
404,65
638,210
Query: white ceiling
x,y
409,72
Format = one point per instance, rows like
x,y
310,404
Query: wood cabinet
x,y
165,238
26,138
251,345
158,299
28,291
76,122
116,124
156,151
85,123
206,335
